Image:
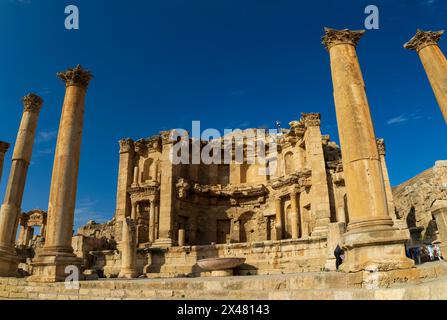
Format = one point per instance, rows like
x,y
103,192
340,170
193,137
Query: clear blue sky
x,y
164,63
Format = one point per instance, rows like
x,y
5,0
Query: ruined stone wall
x,y
414,198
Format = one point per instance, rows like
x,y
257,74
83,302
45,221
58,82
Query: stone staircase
x,y
302,286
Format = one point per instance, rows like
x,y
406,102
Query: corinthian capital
x,y
334,37
76,77
4,146
311,119
32,103
381,146
126,145
423,39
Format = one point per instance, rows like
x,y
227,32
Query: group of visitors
x,y
425,253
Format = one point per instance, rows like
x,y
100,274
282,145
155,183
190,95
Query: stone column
x,y
425,43
136,173
129,250
181,237
166,227
295,214
320,204
4,146
123,203
371,242
152,220
11,208
389,191
278,220
133,214
58,252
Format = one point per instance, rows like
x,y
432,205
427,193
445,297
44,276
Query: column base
x,y
9,262
50,267
128,274
375,250
163,243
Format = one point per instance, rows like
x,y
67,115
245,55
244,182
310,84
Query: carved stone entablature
x,y
32,103
381,146
299,178
335,37
34,218
126,145
252,201
423,39
185,188
76,77
140,147
311,119
146,193
4,146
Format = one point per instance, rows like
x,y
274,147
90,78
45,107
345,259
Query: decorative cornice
x,y
32,103
126,145
311,119
381,146
76,77
4,146
423,39
335,37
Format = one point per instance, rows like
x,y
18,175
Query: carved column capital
x,y
126,145
4,146
32,103
335,37
381,146
311,119
76,77
423,39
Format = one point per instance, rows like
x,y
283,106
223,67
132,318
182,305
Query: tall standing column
x,y
152,219
295,215
4,146
58,252
425,43
129,250
371,242
166,213
389,191
10,210
278,219
320,206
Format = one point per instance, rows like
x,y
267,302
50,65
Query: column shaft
x,y
278,220
434,62
49,266
152,222
371,242
4,146
295,215
11,208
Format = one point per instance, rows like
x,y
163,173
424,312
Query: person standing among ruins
x,y
339,255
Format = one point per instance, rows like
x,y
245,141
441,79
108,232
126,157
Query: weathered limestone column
x,y
389,191
166,227
371,242
136,173
152,220
320,204
425,43
11,208
278,219
295,214
57,253
4,146
129,250
181,237
123,203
